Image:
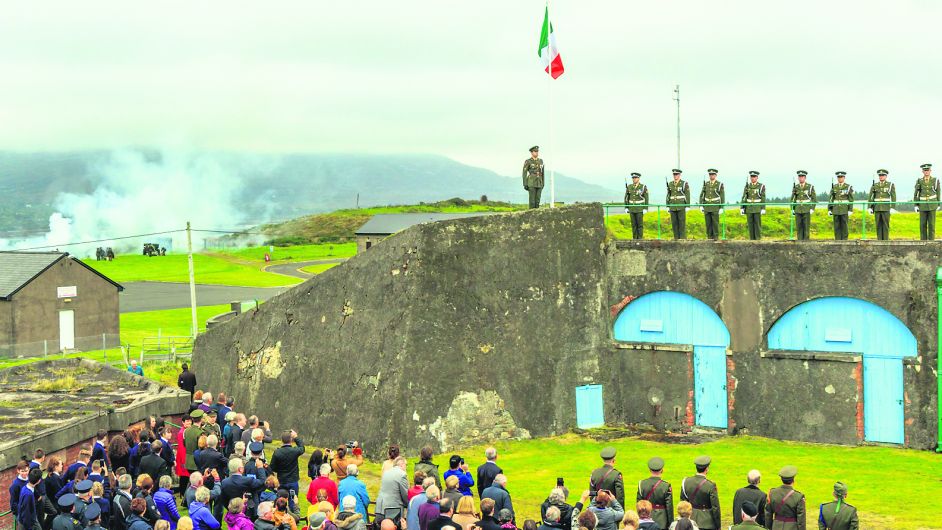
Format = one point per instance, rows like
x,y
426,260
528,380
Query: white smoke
x,y
140,194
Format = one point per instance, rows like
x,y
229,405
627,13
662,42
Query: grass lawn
x,y
292,253
174,268
319,268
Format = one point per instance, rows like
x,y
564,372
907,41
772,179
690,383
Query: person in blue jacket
x,y
459,468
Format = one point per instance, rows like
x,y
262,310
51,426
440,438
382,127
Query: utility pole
x,y
677,99
189,249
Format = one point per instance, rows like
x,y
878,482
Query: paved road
x,y
154,296
293,269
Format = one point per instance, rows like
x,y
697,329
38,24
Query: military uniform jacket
x,y
712,196
533,173
659,493
746,525
608,478
637,197
844,519
191,438
927,190
678,195
753,197
64,521
785,509
840,199
882,196
804,196
701,493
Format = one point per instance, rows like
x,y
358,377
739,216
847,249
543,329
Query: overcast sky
x,y
821,86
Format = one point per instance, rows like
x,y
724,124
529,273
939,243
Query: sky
x,y
775,87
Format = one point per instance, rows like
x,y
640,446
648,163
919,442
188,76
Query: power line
x,y
100,240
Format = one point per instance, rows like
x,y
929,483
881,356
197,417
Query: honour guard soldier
x,y
838,515
881,203
926,198
753,205
840,204
803,202
65,521
748,517
636,201
785,508
83,498
533,176
658,492
712,199
93,514
607,477
701,492
678,197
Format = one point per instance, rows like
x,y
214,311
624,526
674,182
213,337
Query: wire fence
x,y
52,348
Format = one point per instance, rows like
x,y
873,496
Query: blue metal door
x,y
883,399
590,408
709,383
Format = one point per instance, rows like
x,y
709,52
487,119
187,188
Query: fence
x,y
166,347
858,212
53,347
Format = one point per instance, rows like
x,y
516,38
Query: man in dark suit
x,y
153,464
445,510
750,493
237,484
211,457
187,380
488,521
488,470
166,447
498,492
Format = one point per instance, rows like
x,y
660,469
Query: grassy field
x,y
174,268
291,253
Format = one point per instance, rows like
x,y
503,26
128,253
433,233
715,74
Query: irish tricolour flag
x,y
549,53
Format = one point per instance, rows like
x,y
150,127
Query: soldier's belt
x,y
886,199
658,507
928,198
806,200
636,202
753,200
786,519
678,196
713,200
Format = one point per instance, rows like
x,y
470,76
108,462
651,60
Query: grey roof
x,y
390,223
17,269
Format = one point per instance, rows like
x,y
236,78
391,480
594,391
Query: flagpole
x,y
549,91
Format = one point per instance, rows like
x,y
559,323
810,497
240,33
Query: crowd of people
x,y
214,465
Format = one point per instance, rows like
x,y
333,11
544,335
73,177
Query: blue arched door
x,y
841,324
667,317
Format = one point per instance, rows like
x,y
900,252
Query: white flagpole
x,y
549,36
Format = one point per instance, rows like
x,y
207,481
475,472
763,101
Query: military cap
x,y
802,173
749,508
196,414
636,175
92,511
788,472
535,148
212,412
256,447
714,171
840,489
317,519
702,460
656,463
231,415
841,173
882,172
84,486
676,171
926,166
607,453
66,500
753,173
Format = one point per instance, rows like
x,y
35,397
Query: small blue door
x,y
709,383
590,409
883,399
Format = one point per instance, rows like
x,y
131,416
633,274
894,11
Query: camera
x,y
350,444
559,482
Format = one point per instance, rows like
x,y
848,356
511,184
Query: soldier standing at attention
x,y
658,492
701,492
712,199
785,509
840,205
636,201
803,202
753,205
678,197
748,517
607,477
533,176
881,202
926,196
838,515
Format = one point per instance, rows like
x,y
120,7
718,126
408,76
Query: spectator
x,y
750,493
557,499
85,454
445,510
432,507
264,517
121,503
166,448
393,492
451,490
99,451
238,485
180,458
341,461
220,405
166,503
151,515
135,369
27,514
236,518
684,524
119,453
324,507
506,519
644,516
270,493
427,466
197,481
323,482
211,457
488,470
104,504
350,518
207,404
187,380
391,455
552,519
631,520
197,400
458,468
53,480
352,486
19,481
284,461
412,517
607,510
281,516
464,515
587,520
498,492
249,435
317,521
315,463
235,433
199,511
159,525
136,520
185,523
488,521
683,521
153,464
529,524
417,479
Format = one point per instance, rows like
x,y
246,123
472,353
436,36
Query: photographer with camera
x,y
284,462
458,468
607,510
349,453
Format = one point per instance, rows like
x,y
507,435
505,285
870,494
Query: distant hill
x,y
262,187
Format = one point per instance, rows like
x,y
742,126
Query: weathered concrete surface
x,y
389,345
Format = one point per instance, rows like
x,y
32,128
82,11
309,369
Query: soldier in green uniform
x,y
636,203
785,509
881,203
658,492
803,202
838,515
701,492
678,197
712,199
748,514
840,205
607,477
926,198
753,205
533,176
191,437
